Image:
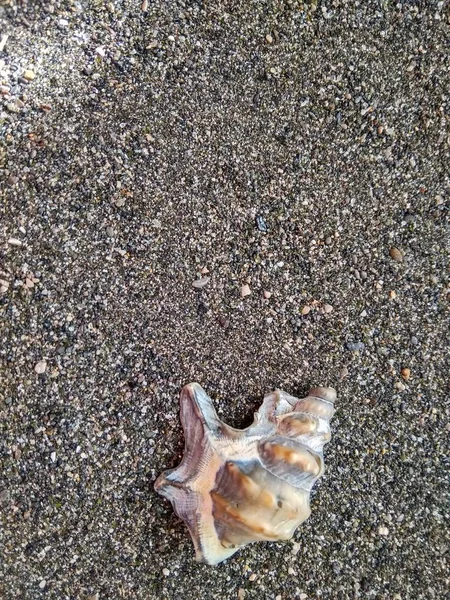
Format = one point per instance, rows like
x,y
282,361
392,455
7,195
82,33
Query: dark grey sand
x,y
140,154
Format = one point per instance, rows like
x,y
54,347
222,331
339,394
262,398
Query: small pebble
x,y
396,254
200,283
223,322
245,290
3,41
13,108
261,224
392,295
383,530
4,285
406,373
42,584
29,75
252,577
327,308
144,6
241,594
355,346
14,242
306,310
40,367
267,294
399,386
166,572
269,38
343,373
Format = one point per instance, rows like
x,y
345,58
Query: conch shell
x,y
235,486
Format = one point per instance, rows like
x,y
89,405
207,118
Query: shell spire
x,y
237,486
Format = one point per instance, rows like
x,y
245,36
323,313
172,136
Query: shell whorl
x,y
234,486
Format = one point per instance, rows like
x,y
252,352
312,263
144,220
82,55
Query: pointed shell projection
x,y
234,486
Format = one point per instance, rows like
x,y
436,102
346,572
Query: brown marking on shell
x,y
299,457
235,486
295,424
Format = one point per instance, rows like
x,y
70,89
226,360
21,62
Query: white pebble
x,y
14,242
42,584
166,572
245,290
3,41
383,530
40,367
200,283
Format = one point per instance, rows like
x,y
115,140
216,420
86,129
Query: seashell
x,y
233,486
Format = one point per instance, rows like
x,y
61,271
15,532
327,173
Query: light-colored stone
x,y
29,75
200,283
40,367
245,290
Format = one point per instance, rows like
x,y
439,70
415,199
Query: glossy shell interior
x,y
235,486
